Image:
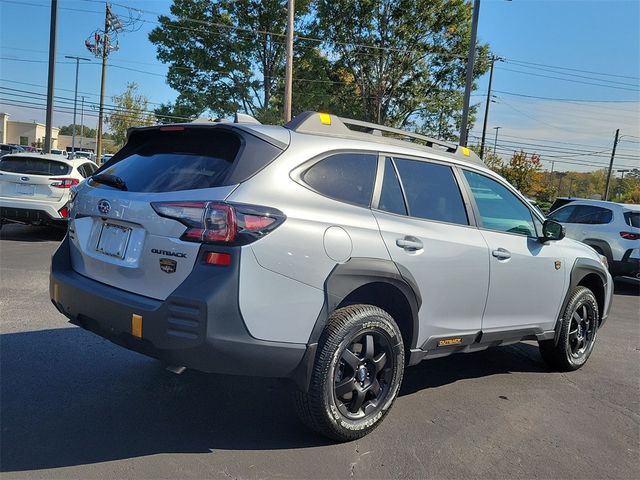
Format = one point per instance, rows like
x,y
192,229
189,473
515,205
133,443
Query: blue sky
x,y
599,40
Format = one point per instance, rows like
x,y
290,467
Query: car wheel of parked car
x,y
578,333
357,373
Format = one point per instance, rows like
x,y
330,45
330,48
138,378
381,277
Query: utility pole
x,y
82,121
469,79
494,59
495,143
51,79
613,154
75,100
288,83
105,53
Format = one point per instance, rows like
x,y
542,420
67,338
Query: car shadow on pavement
x,y
519,357
69,398
26,233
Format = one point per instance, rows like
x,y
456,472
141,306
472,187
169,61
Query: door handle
x,y
501,254
410,244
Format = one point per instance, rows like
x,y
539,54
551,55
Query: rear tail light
x,y
630,235
64,182
217,222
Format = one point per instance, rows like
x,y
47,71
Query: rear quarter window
x,y
33,166
347,177
632,219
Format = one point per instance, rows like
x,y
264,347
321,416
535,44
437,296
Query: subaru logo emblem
x,y
24,179
104,206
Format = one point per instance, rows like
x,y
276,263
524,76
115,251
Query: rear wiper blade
x,y
111,180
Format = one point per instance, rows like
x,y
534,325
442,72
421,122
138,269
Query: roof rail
x,y
378,129
328,124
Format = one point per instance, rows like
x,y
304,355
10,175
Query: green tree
x,y
130,110
68,130
407,57
224,55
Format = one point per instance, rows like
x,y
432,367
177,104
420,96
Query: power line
x,y
569,80
575,75
555,99
511,60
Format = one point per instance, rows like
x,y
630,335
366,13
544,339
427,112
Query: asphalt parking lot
x,y
73,405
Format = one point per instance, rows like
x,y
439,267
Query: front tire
x,y
578,331
356,376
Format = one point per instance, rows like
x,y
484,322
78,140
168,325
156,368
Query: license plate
x,y
113,240
25,189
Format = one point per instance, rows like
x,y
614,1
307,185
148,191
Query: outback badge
x,y
558,264
167,265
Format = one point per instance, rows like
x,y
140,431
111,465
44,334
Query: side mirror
x,y
552,230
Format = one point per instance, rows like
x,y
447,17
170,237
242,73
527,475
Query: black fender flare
x,y
344,279
580,269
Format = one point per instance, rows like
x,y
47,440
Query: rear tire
x,y
356,376
578,332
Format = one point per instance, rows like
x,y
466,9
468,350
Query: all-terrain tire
x,y
577,337
340,364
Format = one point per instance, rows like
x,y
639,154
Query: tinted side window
x,y
500,209
587,214
563,214
431,191
391,198
632,219
347,177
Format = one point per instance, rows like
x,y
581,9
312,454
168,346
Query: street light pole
x,y
469,79
495,143
75,101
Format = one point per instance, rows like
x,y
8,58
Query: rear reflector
x,y
630,235
64,212
215,258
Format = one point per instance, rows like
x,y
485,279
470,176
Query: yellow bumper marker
x,y
136,325
325,119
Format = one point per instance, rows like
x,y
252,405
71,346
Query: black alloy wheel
x,y
576,332
362,376
356,374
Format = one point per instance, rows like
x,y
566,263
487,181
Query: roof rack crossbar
x,y
373,127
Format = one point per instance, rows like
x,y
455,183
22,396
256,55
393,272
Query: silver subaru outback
x,y
331,252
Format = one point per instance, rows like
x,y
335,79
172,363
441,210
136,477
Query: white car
x,y
34,188
58,152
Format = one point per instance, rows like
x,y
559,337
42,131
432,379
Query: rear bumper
x,y
628,266
198,326
30,212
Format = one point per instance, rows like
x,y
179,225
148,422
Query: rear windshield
x,y
33,166
167,161
632,219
